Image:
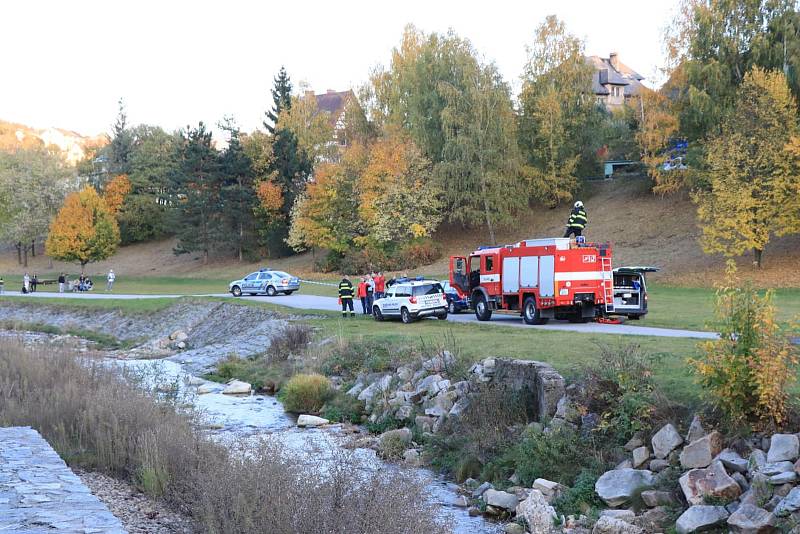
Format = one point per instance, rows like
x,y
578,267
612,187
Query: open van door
x,y
630,291
459,278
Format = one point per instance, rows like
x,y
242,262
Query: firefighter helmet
x,y
579,204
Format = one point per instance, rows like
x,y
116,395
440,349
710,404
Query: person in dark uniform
x,y
346,296
577,220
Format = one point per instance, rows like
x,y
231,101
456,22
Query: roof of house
x,y
333,102
605,73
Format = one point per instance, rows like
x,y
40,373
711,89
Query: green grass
x,y
103,341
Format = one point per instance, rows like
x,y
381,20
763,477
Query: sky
x,y
174,63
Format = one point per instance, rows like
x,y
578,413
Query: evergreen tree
x,y
197,188
281,99
121,143
238,195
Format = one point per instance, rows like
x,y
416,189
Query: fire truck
x,y
542,279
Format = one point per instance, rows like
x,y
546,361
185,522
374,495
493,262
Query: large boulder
x,y
311,421
618,486
701,517
549,489
701,452
665,441
749,519
640,456
732,461
789,504
237,387
653,498
713,482
500,499
610,525
539,515
696,430
783,448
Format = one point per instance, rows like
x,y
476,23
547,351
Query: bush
x,y
343,408
269,378
290,340
418,253
306,393
581,497
353,356
95,418
748,372
559,455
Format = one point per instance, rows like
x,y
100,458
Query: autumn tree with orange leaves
x,y
115,192
84,230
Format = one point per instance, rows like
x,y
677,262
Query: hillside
x,y
71,144
645,229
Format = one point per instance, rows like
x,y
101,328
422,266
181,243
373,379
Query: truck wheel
x,y
376,313
405,316
287,293
271,291
482,310
530,313
451,307
442,316
635,317
235,290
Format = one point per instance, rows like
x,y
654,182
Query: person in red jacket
x,y
380,285
362,294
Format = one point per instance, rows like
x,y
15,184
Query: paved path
x,y
40,494
316,302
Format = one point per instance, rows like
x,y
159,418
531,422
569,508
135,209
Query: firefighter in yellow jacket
x,y
346,296
577,220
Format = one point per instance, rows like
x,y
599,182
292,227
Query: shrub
x,y
343,408
262,377
559,455
581,497
306,393
353,356
290,340
392,446
418,253
748,372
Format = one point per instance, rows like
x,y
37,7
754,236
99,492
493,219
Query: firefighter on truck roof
x,y
577,220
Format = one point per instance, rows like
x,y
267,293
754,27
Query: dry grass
x,y
97,419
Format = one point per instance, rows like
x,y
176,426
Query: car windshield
x,y
428,289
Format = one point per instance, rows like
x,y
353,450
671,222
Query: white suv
x,y
411,300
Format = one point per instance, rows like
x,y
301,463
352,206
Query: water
x,y
236,418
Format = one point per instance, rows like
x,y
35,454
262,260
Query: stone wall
x,y
542,386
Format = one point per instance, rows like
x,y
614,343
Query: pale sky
x,y
66,63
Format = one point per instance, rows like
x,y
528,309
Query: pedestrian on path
x,y
61,281
346,296
2,285
111,277
370,293
26,283
34,283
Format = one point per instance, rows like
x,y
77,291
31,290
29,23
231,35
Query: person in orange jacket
x,y
362,294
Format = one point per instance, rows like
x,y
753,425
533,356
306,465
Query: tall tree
x,y
84,230
313,130
559,119
751,190
33,184
121,142
281,99
197,188
238,199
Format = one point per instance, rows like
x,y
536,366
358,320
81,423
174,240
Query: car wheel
x,y
442,316
271,291
289,292
451,307
530,313
376,313
236,291
482,310
405,316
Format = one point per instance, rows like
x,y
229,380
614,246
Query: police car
x,y
410,300
265,281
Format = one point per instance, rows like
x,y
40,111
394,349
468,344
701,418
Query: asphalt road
x,y
315,302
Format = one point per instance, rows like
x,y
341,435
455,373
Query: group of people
x,y
83,283
370,288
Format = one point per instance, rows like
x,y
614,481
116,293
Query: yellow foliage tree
x,y
312,128
115,192
84,230
748,371
658,123
750,183
270,196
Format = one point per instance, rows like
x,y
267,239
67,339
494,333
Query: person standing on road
x,y
346,296
577,220
380,285
2,285
370,293
34,283
61,281
26,283
110,280
361,293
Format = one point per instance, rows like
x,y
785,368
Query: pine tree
x,y
199,221
281,99
238,191
121,143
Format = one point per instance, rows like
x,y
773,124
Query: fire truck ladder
x,y
608,283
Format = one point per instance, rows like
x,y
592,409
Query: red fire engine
x,y
541,278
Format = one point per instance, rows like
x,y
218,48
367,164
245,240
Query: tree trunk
x,y
205,257
241,240
19,253
33,248
25,257
757,253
